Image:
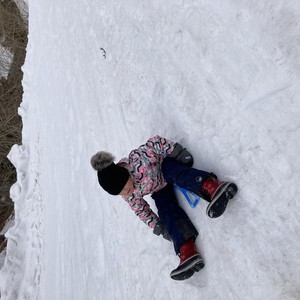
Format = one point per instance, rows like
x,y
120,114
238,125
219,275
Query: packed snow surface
x,y
220,77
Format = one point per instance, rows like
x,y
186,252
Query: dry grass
x,y
13,39
2,243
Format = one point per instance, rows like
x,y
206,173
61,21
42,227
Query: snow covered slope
x,y
222,78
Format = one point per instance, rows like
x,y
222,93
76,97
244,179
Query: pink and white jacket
x,y
144,166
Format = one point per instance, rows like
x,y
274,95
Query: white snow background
x,y
222,78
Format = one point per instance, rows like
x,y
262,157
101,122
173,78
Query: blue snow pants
x,y
172,216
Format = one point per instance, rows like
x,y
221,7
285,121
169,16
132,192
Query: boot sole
x,y
185,272
225,193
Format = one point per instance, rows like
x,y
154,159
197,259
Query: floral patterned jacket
x,y
144,166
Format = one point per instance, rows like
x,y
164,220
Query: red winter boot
x,y
217,193
190,262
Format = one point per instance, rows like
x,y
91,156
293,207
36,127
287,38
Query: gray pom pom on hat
x,y
102,160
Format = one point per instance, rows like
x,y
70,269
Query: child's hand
x,y
159,229
182,156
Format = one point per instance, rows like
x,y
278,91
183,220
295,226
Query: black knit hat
x,y
111,177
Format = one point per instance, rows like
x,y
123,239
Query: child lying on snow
x,y
153,169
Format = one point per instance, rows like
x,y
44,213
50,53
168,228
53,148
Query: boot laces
x,y
209,187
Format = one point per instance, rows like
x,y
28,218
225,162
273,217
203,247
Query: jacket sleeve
x,y
142,209
160,145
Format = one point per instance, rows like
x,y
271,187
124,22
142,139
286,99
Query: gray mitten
x,y
159,229
182,156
